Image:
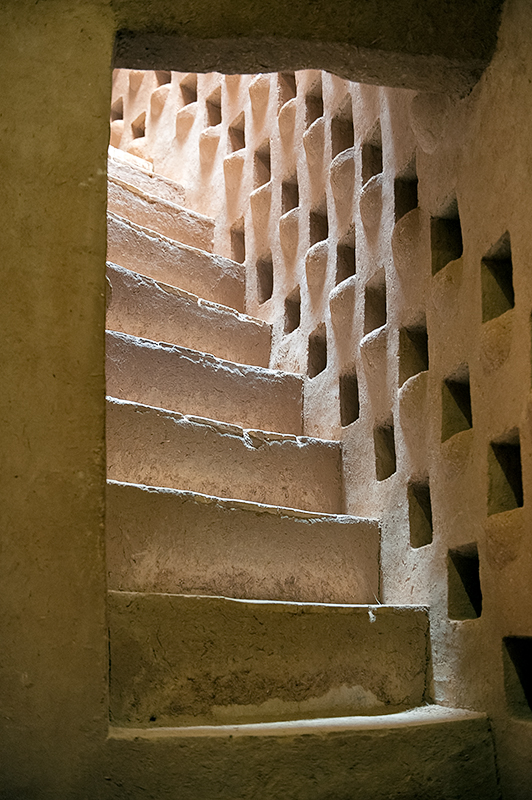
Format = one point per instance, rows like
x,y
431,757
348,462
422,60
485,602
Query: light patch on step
x,y
338,701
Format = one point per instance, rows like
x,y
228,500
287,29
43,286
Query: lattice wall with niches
x,y
387,252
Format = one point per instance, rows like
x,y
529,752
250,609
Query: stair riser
x,y
212,277
429,761
178,660
159,215
179,543
144,308
194,383
149,446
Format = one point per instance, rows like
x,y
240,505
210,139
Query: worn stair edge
x,y
429,753
146,308
429,714
157,214
140,173
195,660
163,540
206,275
179,379
156,447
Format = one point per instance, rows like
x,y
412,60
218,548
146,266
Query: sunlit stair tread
x,y
184,380
159,214
156,447
207,275
143,307
140,174
167,540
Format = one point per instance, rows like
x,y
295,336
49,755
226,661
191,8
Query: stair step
x,y
155,447
192,660
163,540
157,214
139,173
430,752
179,379
206,275
147,308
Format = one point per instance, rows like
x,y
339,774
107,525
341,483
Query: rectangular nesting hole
x,y
264,278
464,598
505,478
189,89
238,242
236,135
318,226
445,238
413,351
372,154
317,351
405,191
163,76
289,194
517,664
346,264
419,513
138,126
456,412
262,165
287,87
384,442
375,303
313,108
213,105
292,311
342,130
117,109
497,280
349,398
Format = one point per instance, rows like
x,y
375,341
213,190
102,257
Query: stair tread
x,y
174,541
429,751
147,308
259,660
140,173
180,379
158,447
247,505
148,252
419,715
159,214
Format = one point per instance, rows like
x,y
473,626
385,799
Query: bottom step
x,y
185,660
429,753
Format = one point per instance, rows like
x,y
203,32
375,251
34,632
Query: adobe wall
x,y
53,662
55,66
381,226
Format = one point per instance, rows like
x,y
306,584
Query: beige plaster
x,y
55,70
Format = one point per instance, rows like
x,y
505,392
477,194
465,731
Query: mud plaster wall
x,y
54,126
379,228
52,578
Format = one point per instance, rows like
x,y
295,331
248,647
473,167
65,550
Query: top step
x,y
162,216
139,173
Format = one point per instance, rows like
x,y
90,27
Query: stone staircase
x,y
249,654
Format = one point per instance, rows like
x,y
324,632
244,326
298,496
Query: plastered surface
x,y
55,69
469,158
